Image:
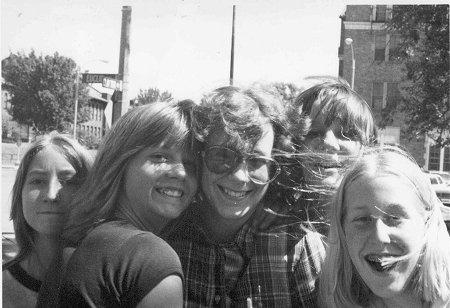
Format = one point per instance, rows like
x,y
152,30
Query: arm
x,y
168,293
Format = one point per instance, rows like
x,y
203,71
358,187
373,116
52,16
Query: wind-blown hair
x,y
340,283
155,124
337,101
74,153
240,113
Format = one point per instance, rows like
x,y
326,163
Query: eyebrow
x,y
43,172
393,207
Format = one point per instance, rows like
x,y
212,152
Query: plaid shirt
x,y
275,268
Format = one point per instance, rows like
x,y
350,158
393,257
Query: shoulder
x,y
310,250
119,241
14,294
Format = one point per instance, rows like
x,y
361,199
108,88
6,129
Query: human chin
x,y
387,280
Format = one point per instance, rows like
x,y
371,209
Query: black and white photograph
x,y
218,153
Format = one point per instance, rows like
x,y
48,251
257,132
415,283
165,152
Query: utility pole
x,y
75,117
232,48
122,102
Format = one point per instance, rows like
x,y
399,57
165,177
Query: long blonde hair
x,y
340,283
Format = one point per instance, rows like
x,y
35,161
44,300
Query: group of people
x,y
239,200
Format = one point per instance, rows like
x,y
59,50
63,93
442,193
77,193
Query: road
x,y
7,181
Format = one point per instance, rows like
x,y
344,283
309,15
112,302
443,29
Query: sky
x,y
182,46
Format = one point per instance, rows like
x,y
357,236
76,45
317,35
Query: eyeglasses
x,y
260,169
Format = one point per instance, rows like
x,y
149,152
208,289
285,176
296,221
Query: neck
x,y
44,252
151,223
222,230
405,301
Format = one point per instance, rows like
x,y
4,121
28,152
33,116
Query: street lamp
x,y
77,83
349,41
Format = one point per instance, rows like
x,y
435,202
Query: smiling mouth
x,y
380,263
234,193
170,192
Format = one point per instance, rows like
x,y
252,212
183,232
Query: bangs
x,y
178,135
168,126
354,115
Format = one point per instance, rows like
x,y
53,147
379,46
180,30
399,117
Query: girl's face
x,y
382,220
333,143
234,196
159,184
48,189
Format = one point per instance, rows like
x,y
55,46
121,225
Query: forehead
x,y
49,159
377,192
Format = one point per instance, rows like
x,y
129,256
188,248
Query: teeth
x,y
380,263
175,193
235,194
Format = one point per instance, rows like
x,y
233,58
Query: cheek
x,y
355,240
67,194
351,147
29,196
312,144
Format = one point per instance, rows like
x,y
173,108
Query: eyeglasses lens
x,y
222,160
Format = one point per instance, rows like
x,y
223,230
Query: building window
x,y
446,166
380,13
393,43
380,47
434,157
377,95
393,94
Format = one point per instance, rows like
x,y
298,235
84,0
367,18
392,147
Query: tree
x,y
424,50
152,95
42,90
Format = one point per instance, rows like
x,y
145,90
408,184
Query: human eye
x,y
71,181
314,134
350,134
36,181
158,158
362,219
393,220
256,162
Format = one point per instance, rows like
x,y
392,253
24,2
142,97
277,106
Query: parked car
x,y
442,189
444,175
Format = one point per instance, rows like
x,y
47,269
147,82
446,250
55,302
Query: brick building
x,y
377,75
96,126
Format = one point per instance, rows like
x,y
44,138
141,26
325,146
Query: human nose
x,y
381,231
241,172
53,189
178,170
330,142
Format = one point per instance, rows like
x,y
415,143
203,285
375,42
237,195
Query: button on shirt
x,y
274,268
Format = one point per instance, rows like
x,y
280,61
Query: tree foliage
x,y
42,90
424,49
152,95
